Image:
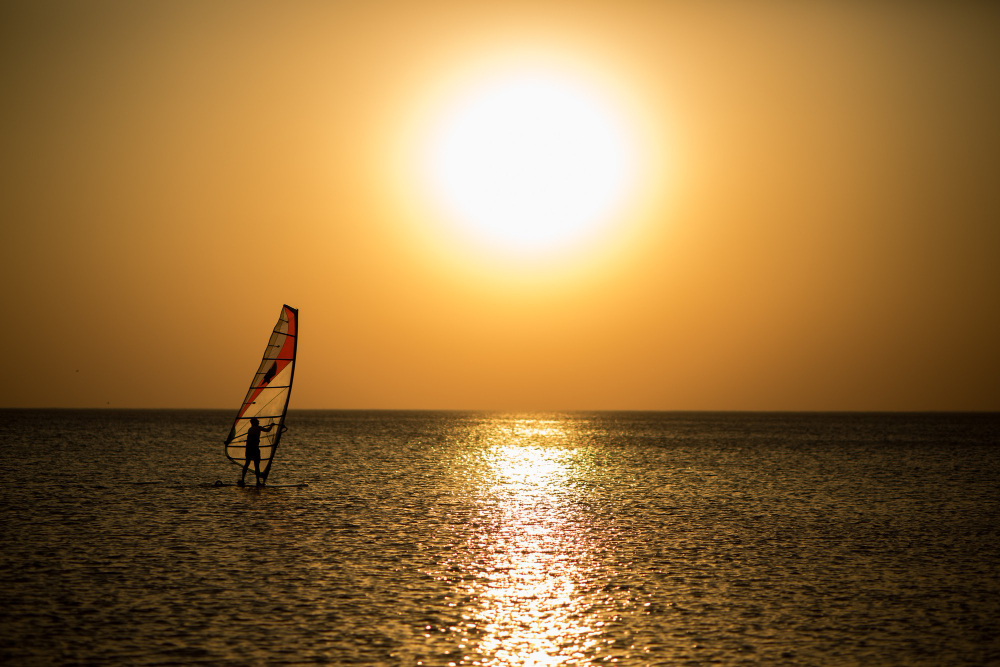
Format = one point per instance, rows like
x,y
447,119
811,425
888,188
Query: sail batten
x,y
268,395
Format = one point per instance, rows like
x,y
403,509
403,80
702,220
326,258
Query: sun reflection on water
x,y
532,554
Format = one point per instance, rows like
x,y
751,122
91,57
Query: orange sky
x,y
818,228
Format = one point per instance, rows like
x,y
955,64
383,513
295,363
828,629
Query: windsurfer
x,y
253,449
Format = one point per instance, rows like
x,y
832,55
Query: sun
x,y
530,161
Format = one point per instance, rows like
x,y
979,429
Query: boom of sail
x,y
267,399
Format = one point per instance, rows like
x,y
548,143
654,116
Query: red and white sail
x,y
267,398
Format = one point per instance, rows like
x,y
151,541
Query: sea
x,y
467,538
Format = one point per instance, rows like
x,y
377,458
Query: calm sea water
x,y
488,539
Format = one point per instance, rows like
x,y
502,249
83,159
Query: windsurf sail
x,y
267,399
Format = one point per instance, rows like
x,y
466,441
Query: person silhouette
x,y
253,450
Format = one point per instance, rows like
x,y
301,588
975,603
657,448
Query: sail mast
x,y
293,315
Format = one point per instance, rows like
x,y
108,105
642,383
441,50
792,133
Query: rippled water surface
x,y
487,539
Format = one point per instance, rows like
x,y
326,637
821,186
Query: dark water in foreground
x,y
479,539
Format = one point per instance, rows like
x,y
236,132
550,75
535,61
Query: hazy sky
x,y
815,224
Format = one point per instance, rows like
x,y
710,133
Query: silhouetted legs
x,y
256,470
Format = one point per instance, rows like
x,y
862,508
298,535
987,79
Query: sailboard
x,y
267,398
219,484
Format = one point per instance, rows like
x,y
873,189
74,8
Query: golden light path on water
x,y
534,552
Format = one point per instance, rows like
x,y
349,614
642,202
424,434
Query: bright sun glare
x,y
531,161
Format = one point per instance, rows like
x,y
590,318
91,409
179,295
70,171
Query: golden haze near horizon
x,y
809,222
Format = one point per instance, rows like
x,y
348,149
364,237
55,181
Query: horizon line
x,y
548,411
